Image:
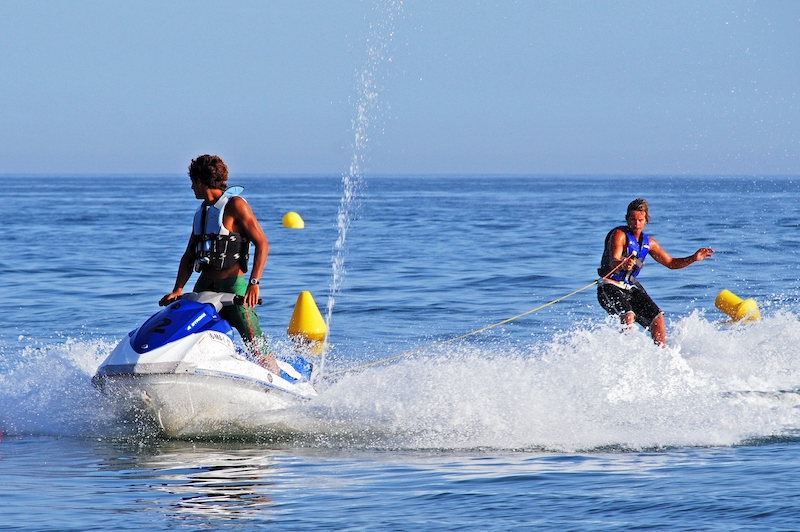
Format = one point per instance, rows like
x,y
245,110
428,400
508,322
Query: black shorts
x,y
618,301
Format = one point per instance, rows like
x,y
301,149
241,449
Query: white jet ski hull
x,y
182,369
191,405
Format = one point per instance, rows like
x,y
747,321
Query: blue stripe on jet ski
x,y
250,380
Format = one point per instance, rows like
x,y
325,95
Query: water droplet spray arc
x,y
381,33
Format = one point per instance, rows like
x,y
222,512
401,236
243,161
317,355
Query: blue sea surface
x,y
557,418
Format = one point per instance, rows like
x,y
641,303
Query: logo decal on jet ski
x,y
197,320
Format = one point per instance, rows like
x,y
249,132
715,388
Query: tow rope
x,y
482,329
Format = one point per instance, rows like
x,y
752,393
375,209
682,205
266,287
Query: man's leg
x,y
629,318
616,302
243,319
658,331
649,315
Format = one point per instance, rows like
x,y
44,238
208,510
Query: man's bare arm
x,y
673,263
248,226
184,272
619,245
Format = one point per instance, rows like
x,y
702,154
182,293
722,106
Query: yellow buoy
x,y
292,220
738,310
306,327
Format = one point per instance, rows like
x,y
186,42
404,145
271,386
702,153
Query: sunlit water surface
x,y
555,419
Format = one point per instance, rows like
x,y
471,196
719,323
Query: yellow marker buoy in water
x,y
292,220
736,308
306,326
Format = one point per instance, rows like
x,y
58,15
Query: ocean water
x,y
556,419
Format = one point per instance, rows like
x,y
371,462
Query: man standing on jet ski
x,y
224,226
626,248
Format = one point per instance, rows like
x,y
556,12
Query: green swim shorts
x,y
241,317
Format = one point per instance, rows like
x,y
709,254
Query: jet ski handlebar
x,y
218,299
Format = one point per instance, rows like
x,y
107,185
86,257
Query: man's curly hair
x,y
210,171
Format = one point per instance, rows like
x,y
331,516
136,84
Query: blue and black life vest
x,y
639,248
218,248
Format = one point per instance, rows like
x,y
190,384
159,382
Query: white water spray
x,y
381,33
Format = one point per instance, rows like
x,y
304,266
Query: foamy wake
x,y
587,389
590,388
48,391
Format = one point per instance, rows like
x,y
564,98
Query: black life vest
x,y
218,248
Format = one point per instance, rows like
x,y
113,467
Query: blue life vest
x,y
218,248
640,249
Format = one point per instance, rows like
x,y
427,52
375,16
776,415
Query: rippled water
x,y
552,419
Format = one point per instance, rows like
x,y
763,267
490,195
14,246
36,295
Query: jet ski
x,y
183,369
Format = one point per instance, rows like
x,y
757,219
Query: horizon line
x,y
301,175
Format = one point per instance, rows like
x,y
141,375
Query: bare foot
x,y
269,363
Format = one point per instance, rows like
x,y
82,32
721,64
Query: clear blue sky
x,y
472,87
